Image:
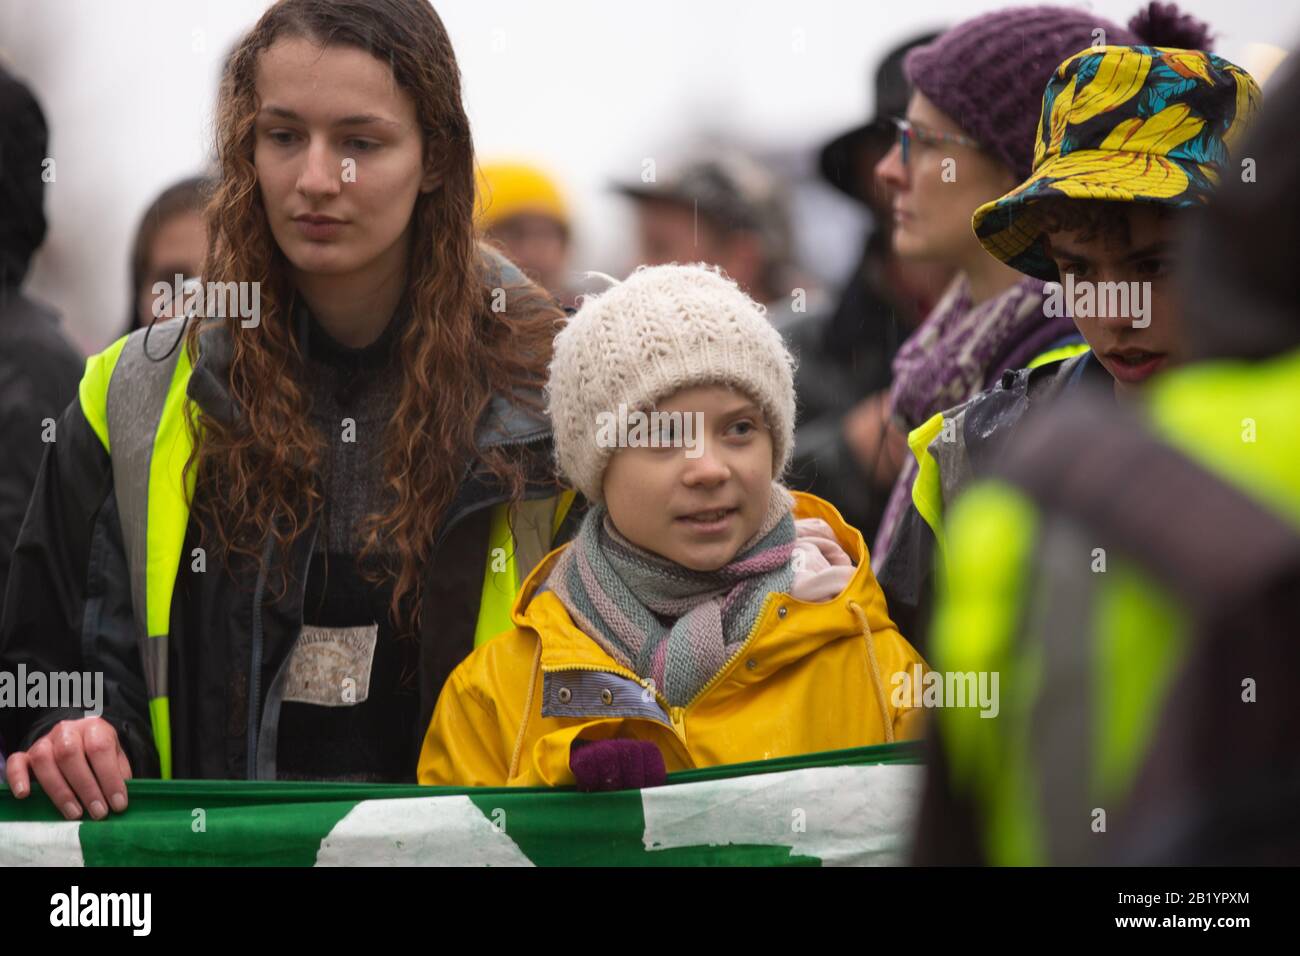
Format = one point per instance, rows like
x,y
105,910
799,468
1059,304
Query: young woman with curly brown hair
x,y
277,539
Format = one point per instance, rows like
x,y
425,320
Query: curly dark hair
x,y
1091,218
255,477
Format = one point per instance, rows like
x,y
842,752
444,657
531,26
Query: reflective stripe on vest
x,y
927,487
976,625
1058,354
136,406
93,389
512,557
1085,670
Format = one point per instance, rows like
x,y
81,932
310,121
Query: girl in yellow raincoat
x,y
703,614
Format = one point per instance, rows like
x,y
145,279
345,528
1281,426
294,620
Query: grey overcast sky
x,y
585,88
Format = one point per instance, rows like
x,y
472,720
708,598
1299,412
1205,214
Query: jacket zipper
x,y
679,713
753,632
255,704
255,664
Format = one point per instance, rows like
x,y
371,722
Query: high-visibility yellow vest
x,y
927,486
1234,418
137,407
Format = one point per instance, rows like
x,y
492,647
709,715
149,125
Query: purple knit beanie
x,y
988,74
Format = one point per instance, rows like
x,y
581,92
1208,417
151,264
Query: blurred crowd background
x,y
734,103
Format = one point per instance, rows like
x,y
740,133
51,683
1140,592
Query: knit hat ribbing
x,y
663,329
988,73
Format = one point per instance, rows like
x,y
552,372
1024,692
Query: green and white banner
x,y
850,807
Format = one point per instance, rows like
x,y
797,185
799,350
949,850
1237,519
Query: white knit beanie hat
x,y
663,329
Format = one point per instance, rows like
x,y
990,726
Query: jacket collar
x,y
780,640
509,422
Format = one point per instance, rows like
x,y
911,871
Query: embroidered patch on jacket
x,y
330,666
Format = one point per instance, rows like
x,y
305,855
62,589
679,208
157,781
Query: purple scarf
x,y
957,352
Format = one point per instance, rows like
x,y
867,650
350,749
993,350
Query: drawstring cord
x,y
885,718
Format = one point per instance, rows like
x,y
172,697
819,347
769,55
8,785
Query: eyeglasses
x,y
905,132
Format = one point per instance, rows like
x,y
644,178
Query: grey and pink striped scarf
x,y
666,622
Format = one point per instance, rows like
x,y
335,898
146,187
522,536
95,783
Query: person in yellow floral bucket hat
x,y
1128,139
1131,140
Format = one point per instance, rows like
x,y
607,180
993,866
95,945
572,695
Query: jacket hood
x,y
565,645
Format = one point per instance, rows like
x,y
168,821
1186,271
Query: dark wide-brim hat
x,y
1123,124
838,160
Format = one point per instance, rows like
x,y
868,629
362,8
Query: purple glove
x,y
616,764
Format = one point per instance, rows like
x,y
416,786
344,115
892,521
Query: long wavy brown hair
x,y
256,475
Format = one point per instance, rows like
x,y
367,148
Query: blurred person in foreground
x,y
39,369
847,450
522,211
171,240
1139,604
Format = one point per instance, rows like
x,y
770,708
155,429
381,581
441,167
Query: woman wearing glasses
x,y
967,139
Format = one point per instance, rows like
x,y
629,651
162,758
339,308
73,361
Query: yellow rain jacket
x,y
810,677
